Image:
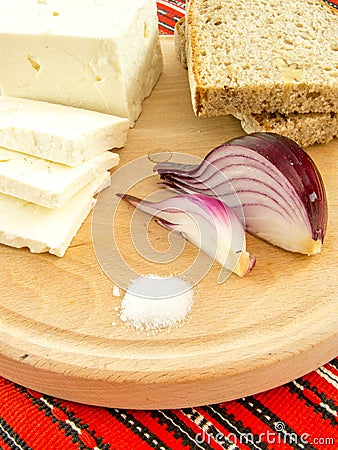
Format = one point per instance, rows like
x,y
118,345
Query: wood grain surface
x,y
60,331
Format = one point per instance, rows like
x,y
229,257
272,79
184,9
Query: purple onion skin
x,y
288,158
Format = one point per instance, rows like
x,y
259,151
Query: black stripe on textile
x,y
315,406
170,18
180,430
286,434
334,363
331,3
11,438
307,385
243,434
177,3
67,428
210,430
203,422
328,375
167,27
138,428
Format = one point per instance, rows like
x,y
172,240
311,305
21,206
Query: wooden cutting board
x,y
60,331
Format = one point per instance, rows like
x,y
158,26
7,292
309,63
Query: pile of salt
x,y
152,302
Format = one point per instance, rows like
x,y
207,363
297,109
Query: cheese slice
x,y
102,55
46,183
58,133
24,224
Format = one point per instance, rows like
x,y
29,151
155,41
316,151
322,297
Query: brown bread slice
x,y
179,36
254,56
305,129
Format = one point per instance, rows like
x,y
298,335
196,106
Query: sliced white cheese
x,y
24,224
58,133
102,55
46,183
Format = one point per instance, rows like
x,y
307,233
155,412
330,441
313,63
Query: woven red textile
x,y
299,415
169,12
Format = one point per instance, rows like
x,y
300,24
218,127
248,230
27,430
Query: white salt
x,y
116,291
152,302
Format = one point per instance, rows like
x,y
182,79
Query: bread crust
x,y
179,37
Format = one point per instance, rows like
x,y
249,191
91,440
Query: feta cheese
x,y
58,133
24,224
102,55
46,183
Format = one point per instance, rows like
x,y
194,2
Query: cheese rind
x,y
23,224
101,55
58,133
46,183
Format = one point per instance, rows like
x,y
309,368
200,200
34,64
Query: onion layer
x,y
280,190
207,223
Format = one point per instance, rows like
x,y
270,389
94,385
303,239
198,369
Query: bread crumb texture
x,y
305,129
262,55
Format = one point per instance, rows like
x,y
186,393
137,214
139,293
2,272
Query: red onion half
x,y
279,188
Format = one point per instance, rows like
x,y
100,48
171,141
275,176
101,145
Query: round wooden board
x,y
60,331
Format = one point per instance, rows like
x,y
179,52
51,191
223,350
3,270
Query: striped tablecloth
x,y
299,415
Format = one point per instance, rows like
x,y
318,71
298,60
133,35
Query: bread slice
x,y
254,56
305,129
179,37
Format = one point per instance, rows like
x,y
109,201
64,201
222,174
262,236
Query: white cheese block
x,y
24,224
58,133
46,183
102,55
